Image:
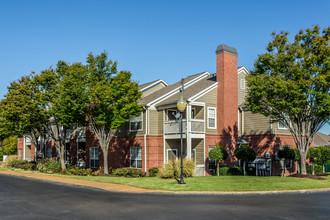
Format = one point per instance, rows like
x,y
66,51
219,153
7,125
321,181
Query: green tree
x,y
286,153
62,96
218,153
19,111
290,83
245,154
9,146
113,99
313,154
324,156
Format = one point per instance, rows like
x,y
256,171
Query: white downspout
x,y
145,141
23,147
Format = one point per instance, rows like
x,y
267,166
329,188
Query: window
x,y
211,123
172,154
135,124
94,157
242,83
136,157
212,163
171,114
281,125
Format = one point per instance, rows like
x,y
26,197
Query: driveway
x,y
23,198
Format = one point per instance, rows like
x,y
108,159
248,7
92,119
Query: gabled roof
x,y
321,139
150,84
171,89
191,91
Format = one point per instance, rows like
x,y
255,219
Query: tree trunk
x,y
323,168
105,151
244,168
303,166
218,168
62,159
313,171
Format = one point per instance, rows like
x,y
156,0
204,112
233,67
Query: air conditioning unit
x,y
267,155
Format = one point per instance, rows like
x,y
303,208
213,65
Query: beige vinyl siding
x,y
210,100
277,130
199,112
241,92
124,130
152,89
156,122
256,123
28,152
198,146
175,144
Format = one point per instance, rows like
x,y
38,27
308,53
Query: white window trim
x,y
242,82
176,153
90,158
215,117
130,158
282,128
141,122
238,125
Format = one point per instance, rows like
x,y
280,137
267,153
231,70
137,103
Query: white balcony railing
x,y
173,127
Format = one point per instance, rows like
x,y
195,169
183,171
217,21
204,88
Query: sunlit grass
x,y
212,183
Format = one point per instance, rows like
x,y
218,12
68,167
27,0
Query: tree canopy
x,y
245,154
290,83
113,100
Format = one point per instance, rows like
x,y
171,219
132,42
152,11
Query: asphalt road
x,y
22,198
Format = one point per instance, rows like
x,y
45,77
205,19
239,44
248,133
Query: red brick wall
x,y
155,151
227,101
270,144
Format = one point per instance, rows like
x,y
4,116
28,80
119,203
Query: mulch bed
x,y
309,176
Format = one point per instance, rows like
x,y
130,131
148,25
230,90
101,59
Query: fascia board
x,y
176,90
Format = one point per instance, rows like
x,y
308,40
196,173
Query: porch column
x,y
188,132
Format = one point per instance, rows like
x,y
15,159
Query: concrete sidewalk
x,y
113,187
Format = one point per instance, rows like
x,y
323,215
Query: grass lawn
x,y
212,183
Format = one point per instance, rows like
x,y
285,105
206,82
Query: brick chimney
x,y
227,103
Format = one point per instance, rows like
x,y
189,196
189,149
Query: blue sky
x,y
152,39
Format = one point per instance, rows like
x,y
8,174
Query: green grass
x,y
213,183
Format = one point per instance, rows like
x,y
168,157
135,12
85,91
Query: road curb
x,y
119,188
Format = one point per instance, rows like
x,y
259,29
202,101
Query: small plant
x,y
98,172
10,160
49,165
245,154
153,171
218,153
173,169
128,172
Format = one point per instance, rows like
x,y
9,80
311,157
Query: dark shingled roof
x,y
191,90
167,89
321,139
147,84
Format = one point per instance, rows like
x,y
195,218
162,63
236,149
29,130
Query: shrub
x,y
49,165
317,169
173,169
153,171
25,165
128,172
10,160
230,171
224,171
98,172
75,170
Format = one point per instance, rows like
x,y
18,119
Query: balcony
x,y
196,126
